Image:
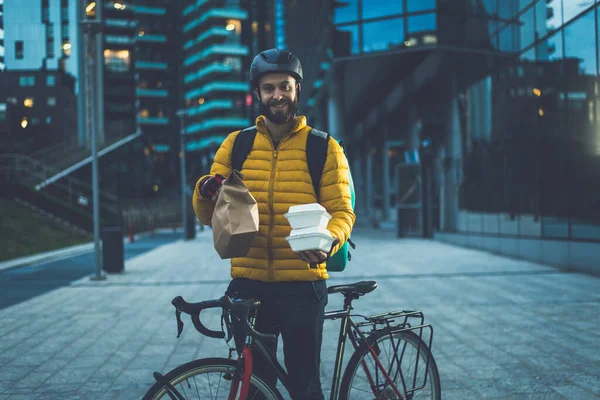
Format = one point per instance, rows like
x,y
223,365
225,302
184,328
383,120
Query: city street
x,y
503,328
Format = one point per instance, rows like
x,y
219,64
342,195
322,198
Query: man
x,y
291,286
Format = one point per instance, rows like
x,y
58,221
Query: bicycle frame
x,y
355,335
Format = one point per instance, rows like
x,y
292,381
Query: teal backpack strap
x,y
242,146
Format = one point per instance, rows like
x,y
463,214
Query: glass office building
x,y
473,121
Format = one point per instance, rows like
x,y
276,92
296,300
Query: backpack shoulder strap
x,y
317,143
242,146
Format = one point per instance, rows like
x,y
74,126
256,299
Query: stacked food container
x,y
309,228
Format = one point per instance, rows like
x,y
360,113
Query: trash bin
x,y
190,228
113,253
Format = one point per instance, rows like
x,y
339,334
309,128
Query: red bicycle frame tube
x,y
247,357
380,366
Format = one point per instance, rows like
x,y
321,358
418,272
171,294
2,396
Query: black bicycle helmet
x,y
275,60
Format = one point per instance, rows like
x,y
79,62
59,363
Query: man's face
x,y
278,95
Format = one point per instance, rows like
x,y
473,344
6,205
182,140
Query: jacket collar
x,y
299,123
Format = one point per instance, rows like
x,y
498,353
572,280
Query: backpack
x,y
316,154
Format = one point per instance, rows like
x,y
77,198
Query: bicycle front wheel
x,y
407,361
206,379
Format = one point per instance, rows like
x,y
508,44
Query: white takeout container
x,y
307,215
310,241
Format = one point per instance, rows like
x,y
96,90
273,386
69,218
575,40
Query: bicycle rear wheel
x,y
206,379
363,380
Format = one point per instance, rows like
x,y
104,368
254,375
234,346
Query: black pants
x,y
296,310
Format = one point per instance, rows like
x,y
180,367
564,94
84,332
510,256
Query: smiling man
x,y
291,286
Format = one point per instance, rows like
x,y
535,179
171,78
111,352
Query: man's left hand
x,y
315,256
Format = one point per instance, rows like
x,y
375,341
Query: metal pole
x,y
100,134
81,72
93,138
183,183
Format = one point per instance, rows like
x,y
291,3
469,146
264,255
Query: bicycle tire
x,y
190,371
377,339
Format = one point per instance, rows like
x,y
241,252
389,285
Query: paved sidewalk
x,y
504,329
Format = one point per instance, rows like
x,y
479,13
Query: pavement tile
x,y
504,328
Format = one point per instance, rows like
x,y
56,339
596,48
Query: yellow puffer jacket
x,y
279,179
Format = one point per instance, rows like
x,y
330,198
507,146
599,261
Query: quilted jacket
x,y
279,178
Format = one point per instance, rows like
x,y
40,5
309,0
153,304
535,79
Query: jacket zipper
x,y
271,209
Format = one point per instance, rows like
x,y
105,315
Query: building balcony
x,y
205,143
120,23
221,123
225,13
223,87
217,50
152,92
152,38
210,107
151,65
211,34
152,120
161,148
207,72
146,10
194,6
119,39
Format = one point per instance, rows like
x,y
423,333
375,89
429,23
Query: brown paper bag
x,y
235,218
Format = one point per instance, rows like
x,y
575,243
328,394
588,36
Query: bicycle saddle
x,y
359,288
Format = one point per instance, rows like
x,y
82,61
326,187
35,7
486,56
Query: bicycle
x,y
367,375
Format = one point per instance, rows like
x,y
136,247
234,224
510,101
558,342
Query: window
x,y
117,60
51,101
346,11
381,8
26,80
28,102
45,11
48,120
383,35
19,51
51,80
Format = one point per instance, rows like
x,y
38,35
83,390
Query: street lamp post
x,y
91,30
182,114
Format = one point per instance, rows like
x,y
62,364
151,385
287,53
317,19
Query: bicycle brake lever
x,y
179,323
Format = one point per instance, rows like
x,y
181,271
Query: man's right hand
x,y
211,187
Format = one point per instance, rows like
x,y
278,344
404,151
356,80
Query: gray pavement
x,y
504,329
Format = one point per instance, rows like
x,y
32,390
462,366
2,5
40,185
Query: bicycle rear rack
x,y
400,321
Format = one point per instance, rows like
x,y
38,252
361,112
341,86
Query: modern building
x,y
475,122
2,64
220,39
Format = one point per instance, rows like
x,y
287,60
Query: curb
x,y
71,251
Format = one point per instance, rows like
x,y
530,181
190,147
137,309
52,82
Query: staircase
x,y
66,198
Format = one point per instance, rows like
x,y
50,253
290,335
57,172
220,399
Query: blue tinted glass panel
x,y
380,8
419,5
509,38
346,40
551,48
507,9
383,35
571,8
345,11
580,43
422,23
527,28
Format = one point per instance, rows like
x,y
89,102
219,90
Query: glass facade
x,y
382,25
531,132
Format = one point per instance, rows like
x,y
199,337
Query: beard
x,y
280,116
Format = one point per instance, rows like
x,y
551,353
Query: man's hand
x,y
316,256
211,187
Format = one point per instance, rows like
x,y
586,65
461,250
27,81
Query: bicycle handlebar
x,y
194,310
240,308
